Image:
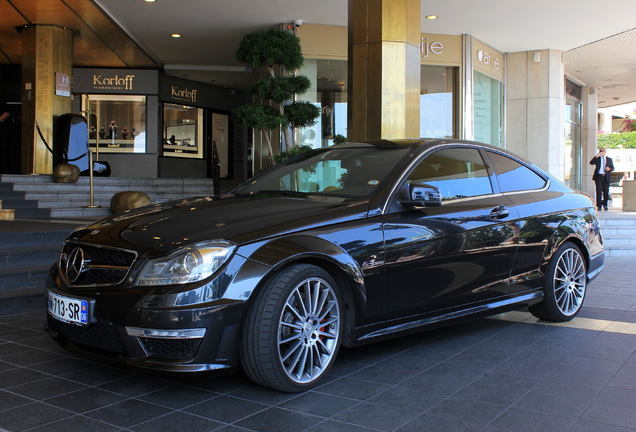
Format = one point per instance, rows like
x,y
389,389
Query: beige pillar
x,y
535,113
384,69
46,49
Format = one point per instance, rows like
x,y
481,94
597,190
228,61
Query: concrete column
x,y
46,49
589,133
384,69
535,101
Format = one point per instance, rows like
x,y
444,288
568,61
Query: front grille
x,y
171,348
101,335
87,265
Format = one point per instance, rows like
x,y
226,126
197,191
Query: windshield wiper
x,y
283,192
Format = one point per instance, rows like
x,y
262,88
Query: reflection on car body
x,y
335,247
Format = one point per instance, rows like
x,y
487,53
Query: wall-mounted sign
x,y
191,93
62,84
183,94
487,60
440,48
115,81
427,47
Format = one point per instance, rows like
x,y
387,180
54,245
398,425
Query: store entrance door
x,y
220,141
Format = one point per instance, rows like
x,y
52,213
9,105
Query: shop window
x,y
117,123
182,131
573,141
487,109
328,92
438,102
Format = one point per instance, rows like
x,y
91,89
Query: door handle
x,y
499,212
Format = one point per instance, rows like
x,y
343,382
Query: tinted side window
x,y
513,176
457,173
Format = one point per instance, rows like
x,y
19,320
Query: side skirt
x,y
495,307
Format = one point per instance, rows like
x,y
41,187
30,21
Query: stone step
x,y
22,300
19,203
32,213
619,242
42,179
621,232
618,223
80,212
620,252
113,189
34,239
32,276
26,257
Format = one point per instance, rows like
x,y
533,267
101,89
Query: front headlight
x,y
189,264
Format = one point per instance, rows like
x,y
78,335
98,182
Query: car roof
x,y
419,142
425,143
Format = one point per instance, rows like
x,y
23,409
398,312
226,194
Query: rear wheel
x,y
565,285
292,333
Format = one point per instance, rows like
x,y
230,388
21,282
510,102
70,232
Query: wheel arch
x,y
569,230
283,253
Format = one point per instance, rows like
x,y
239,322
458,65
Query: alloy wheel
x,y
308,330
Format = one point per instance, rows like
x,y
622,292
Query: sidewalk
x,y
506,373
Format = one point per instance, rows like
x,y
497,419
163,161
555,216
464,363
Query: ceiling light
x,y
150,1
175,35
431,17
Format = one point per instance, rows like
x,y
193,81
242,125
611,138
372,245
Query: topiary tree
x,y
279,51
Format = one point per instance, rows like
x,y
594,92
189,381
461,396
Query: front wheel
x,y
565,285
293,330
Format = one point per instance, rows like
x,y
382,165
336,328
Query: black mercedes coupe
x,y
338,246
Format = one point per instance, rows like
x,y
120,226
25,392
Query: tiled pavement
x,y
504,374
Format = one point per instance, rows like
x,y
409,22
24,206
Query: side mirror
x,y
423,195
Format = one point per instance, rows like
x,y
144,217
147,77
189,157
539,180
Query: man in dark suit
x,y
603,166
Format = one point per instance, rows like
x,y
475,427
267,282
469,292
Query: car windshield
x,y
345,171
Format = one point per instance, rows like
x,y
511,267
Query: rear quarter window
x,y
514,176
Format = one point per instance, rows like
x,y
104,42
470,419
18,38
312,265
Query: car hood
x,y
157,229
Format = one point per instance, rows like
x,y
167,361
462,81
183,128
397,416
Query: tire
x,y
293,330
565,285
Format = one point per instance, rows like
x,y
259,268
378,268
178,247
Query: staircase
x,y
38,196
25,259
619,232
37,214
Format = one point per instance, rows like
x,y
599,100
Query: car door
x,y
537,223
454,255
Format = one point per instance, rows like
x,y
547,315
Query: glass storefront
x,y
329,92
116,122
573,141
487,110
439,102
221,142
182,131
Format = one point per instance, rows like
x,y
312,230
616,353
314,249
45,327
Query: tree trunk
x,y
269,146
289,140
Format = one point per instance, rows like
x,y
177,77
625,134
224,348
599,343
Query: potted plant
x,y
280,53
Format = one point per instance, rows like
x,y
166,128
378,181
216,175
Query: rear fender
x,y
573,230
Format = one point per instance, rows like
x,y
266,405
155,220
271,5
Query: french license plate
x,y
67,309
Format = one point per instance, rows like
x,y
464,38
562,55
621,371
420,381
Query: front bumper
x,y
125,329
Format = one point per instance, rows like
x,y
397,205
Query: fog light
x,y
196,333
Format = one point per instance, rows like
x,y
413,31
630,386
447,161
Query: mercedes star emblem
x,y
75,264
